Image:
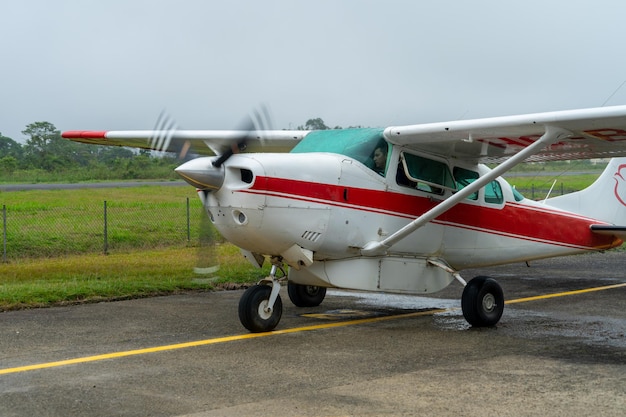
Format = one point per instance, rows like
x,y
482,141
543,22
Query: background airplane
x,y
399,209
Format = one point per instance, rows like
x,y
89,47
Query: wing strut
x,y
551,135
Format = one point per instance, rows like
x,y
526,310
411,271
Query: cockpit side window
x,y
493,193
517,195
463,178
424,174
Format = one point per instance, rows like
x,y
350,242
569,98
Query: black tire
x,y
251,312
482,302
306,295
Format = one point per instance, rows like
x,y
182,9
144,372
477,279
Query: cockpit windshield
x,y
359,144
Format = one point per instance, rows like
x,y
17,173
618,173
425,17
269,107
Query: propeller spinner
x,y
207,173
203,173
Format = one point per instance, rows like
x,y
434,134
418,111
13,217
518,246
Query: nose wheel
x,y
255,311
260,306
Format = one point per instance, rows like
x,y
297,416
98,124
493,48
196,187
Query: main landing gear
x,y
482,302
305,295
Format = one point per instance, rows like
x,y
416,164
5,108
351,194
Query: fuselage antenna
x,y
549,192
613,93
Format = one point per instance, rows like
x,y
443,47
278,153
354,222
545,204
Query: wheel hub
x,y
489,302
312,290
265,312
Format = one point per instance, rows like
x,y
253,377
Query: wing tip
x,y
84,134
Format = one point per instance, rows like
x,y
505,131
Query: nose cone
x,y
201,174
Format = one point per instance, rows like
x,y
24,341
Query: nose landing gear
x,y
260,307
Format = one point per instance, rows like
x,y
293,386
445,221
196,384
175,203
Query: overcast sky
x,y
116,64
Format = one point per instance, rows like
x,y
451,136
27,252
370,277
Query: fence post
x,y
188,223
106,231
4,232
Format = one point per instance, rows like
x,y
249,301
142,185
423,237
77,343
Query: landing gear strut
x,y
482,302
260,307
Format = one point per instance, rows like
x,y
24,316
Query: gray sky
x,y
115,64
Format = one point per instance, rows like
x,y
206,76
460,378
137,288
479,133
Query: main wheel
x,y
482,302
306,295
253,312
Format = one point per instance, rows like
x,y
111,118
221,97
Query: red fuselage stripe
x,y
512,220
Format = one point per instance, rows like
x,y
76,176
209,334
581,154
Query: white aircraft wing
x,y
202,142
595,133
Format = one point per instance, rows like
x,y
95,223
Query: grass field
x,y
537,187
535,180
88,278
64,274
64,222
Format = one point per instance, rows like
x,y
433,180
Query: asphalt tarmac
x,y
356,354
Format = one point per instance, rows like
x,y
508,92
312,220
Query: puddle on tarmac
x,y
521,322
450,319
398,301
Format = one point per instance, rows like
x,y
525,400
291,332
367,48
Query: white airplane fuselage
x,y
325,207
396,209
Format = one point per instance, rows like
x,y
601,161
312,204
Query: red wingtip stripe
x,y
84,134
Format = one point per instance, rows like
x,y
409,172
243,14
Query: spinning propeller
x,y
207,173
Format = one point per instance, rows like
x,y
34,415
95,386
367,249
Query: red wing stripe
x,y
84,134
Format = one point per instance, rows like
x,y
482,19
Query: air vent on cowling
x,y
311,236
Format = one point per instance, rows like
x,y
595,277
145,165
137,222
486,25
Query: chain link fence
x,y
540,192
37,230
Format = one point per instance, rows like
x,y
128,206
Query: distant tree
x,y
46,149
314,124
113,154
9,147
8,164
40,135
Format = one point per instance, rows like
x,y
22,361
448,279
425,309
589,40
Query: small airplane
x,y
401,209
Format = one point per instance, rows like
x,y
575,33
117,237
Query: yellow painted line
x,y
564,294
186,345
246,336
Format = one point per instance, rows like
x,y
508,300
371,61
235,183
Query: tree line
x,y
46,156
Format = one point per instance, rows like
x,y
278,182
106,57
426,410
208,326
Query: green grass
x,y
541,184
64,222
75,279
146,194
50,231
152,170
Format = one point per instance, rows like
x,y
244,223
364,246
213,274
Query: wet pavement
x,y
356,354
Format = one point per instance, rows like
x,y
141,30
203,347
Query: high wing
x,y
201,142
590,133
593,133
